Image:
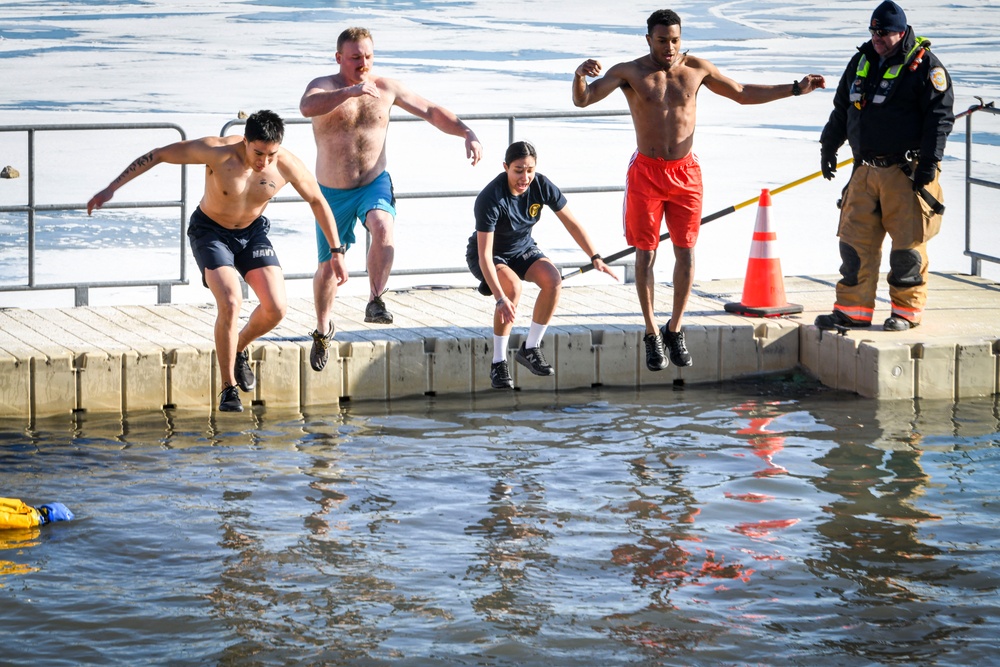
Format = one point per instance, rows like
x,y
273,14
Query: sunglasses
x,y
880,33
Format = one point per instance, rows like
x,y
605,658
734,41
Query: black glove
x,y
828,164
924,174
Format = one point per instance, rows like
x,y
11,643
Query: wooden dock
x,y
124,359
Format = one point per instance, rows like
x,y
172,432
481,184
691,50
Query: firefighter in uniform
x,y
894,108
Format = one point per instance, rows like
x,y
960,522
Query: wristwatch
x,y
796,91
340,249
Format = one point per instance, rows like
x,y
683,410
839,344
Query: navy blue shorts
x,y
244,249
519,263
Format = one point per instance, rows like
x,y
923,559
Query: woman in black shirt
x,y
502,254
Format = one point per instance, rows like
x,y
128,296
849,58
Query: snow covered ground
x,y
197,64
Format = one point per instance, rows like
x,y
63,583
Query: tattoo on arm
x,y
138,162
268,183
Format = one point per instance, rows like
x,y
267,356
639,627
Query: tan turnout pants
x,y
880,201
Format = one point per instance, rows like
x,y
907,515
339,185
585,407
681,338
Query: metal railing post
x,y
163,293
978,257
977,265
31,208
183,229
81,296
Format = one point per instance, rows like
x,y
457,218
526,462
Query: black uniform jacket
x,y
916,115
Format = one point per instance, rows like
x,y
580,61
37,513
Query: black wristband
x,y
595,257
796,91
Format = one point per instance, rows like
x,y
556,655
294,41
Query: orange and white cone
x,y
764,286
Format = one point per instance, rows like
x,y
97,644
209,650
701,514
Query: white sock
x,y
535,334
499,348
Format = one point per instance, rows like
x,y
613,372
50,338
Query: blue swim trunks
x,y
351,205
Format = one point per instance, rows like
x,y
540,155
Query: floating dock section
x,y
122,359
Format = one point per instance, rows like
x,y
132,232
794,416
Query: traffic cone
x,y
764,286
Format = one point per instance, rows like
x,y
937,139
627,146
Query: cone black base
x,y
766,311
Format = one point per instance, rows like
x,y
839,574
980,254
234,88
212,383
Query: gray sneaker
x,y
377,313
245,379
500,376
320,352
533,360
674,342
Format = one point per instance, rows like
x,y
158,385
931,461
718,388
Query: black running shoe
x,y
484,289
655,360
674,342
245,379
377,313
500,376
897,323
320,352
837,320
229,399
533,360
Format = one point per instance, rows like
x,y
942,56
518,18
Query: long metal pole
x,y
708,218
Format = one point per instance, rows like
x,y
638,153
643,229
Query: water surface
x,y
778,524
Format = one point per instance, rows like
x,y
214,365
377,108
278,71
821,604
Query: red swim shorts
x,y
655,188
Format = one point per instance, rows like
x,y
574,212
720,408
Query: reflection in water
x,y
774,525
874,552
512,549
312,591
672,552
19,538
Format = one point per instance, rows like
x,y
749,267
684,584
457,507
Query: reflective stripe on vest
x,y
888,79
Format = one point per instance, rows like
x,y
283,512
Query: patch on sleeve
x,y
939,79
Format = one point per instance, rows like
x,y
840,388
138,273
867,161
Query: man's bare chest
x,y
361,113
663,91
253,189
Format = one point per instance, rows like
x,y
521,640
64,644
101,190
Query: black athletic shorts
x,y
244,249
519,263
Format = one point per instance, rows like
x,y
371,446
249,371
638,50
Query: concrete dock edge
x,y
133,359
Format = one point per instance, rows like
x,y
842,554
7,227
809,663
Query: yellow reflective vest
x,y
920,45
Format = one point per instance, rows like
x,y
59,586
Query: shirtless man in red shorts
x,y
664,178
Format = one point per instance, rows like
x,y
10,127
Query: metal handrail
x,y
82,289
977,257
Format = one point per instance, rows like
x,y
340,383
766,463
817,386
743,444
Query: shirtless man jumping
x,y
664,178
228,232
350,119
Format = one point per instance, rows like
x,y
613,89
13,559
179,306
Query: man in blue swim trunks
x,y
228,232
350,119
